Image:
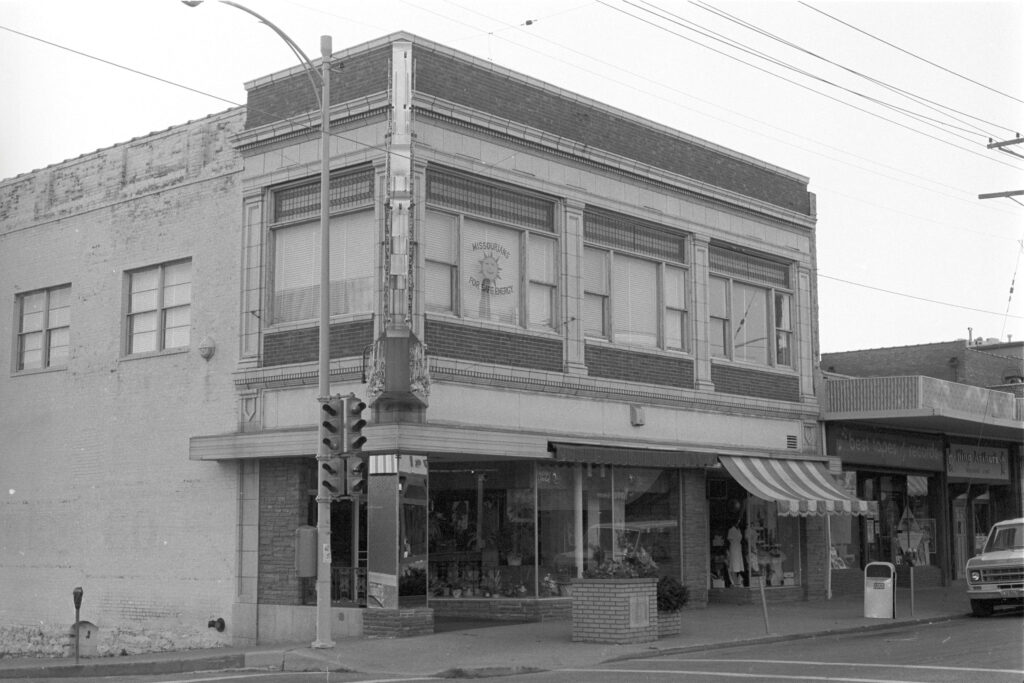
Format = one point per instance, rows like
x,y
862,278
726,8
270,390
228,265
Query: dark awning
x,y
635,457
800,487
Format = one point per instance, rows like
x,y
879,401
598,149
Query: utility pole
x,y
1001,146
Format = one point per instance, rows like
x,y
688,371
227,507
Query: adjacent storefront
x,y
980,495
903,474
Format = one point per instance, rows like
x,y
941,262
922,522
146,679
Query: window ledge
x,y
154,354
38,371
754,366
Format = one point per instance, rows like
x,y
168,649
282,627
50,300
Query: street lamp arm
x,y
303,57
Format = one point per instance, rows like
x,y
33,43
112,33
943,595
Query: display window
x,y
504,530
904,533
749,539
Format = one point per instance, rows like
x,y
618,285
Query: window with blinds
x,y
634,285
296,288
295,239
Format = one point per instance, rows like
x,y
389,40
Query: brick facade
x,y
283,507
465,342
99,488
633,366
302,345
729,379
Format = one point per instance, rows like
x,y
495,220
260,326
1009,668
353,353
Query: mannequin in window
x,y
735,538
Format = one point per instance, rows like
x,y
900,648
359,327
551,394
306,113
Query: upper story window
x,y
296,247
750,308
490,252
634,282
44,321
159,307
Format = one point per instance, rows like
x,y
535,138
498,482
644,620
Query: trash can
x,y
880,590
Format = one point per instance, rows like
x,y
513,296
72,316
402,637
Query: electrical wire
x,y
789,80
938,107
907,52
381,148
917,298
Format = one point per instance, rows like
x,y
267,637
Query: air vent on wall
x,y
791,441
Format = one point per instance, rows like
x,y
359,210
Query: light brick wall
x,y
601,610
97,487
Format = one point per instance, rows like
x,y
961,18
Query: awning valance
x,y
635,457
800,487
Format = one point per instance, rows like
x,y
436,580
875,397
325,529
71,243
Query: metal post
x,y
323,500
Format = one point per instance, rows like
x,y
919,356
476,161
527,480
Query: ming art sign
x,y
978,463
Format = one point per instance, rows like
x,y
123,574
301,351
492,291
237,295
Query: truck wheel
x,y
981,608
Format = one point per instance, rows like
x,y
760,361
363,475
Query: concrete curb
x,y
301,659
113,667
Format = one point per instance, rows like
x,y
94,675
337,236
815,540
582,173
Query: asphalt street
x,y
976,650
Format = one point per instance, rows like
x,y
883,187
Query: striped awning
x,y
800,487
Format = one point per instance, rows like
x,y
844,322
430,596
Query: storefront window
x,y
483,515
905,531
749,539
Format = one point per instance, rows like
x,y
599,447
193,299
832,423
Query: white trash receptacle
x,y
880,590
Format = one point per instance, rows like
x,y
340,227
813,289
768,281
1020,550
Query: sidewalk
x,y
504,649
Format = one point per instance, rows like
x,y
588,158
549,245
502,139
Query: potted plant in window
x,y
672,597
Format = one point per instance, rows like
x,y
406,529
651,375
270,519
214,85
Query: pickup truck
x,y
996,576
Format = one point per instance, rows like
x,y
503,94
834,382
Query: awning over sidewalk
x,y
800,487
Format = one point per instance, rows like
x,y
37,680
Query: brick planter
x,y
669,623
614,610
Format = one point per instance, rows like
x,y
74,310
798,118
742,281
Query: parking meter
x,y
77,596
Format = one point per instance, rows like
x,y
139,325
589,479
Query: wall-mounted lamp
x,y
207,348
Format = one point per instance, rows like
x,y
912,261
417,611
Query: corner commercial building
x,y
581,334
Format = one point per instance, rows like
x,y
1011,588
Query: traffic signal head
x,y
356,475
354,424
332,476
332,424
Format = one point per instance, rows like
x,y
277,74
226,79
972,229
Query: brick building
x,y
119,273
580,334
933,434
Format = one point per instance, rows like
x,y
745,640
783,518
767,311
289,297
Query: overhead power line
x,y
920,99
918,298
784,78
908,52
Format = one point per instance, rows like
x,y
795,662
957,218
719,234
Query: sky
x,y
887,107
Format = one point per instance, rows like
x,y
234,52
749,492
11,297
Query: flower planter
x,y
615,610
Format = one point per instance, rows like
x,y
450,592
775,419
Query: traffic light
x,y
332,476
356,475
354,423
332,428
332,424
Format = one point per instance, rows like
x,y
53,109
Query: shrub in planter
x,y
672,595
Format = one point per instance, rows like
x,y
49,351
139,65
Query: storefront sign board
x,y
978,463
889,450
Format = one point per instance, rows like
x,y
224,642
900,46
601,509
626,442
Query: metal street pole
x,y
323,497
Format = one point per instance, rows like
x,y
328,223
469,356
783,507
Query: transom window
x,y
750,310
488,255
160,307
44,321
636,298
296,245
